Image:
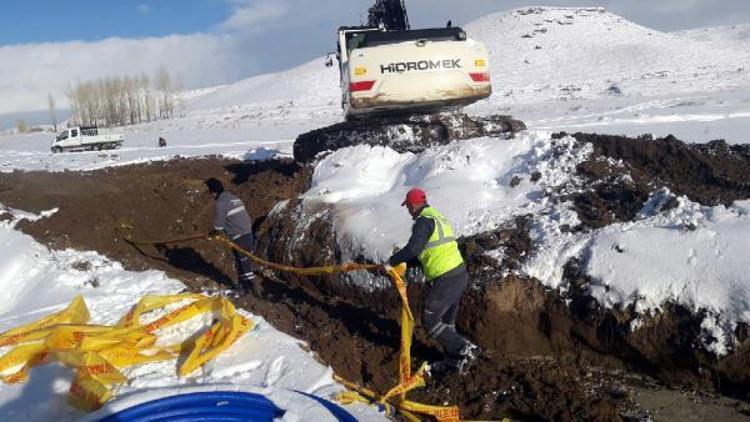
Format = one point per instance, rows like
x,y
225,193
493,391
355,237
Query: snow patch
x,y
37,281
692,255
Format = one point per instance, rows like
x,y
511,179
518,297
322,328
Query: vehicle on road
x,y
85,138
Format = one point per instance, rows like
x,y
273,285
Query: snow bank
x,y
478,184
37,282
692,255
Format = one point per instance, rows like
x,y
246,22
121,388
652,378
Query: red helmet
x,y
415,197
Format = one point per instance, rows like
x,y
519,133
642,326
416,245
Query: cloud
x,y
31,71
249,15
143,8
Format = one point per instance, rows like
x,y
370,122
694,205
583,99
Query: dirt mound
x,y
624,171
402,134
159,200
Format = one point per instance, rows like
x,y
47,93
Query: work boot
x,y
442,368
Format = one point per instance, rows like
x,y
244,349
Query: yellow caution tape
x,y
407,380
98,352
86,393
75,313
218,338
151,302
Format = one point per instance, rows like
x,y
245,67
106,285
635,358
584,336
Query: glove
x,y
400,269
215,233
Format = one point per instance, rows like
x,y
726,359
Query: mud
x,y
159,200
710,174
546,356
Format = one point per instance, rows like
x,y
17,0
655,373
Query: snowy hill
x,y
583,52
311,84
536,52
555,68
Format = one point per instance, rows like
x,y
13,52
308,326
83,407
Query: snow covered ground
x,y
37,282
572,69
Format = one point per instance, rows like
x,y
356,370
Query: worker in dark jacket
x,y
433,243
231,219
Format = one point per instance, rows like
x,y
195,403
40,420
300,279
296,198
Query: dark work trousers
x,y
442,298
243,264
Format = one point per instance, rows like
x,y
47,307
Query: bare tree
x,y
163,84
52,113
123,100
148,98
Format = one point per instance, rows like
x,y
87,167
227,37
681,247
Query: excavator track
x,y
403,133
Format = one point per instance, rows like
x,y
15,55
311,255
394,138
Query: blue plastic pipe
x,y
202,406
226,406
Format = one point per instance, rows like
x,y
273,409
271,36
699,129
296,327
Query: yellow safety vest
x,y
441,253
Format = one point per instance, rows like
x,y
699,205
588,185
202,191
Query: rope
x,y
167,242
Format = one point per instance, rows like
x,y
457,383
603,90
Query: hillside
x,y
551,53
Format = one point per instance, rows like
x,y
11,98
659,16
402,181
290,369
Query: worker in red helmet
x,y
432,242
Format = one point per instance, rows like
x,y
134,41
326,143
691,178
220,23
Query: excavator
x,y
402,88
386,68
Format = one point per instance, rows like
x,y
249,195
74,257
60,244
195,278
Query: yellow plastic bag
x,y
123,357
98,352
184,313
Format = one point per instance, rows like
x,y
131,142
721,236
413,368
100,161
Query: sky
x,y
48,45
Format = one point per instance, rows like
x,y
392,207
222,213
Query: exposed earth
x,y
545,356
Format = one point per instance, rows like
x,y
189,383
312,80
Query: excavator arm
x,y
391,14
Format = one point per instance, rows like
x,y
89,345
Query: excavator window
x,y
354,40
376,38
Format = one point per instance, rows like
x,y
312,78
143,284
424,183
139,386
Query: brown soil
x,y
162,200
711,174
544,357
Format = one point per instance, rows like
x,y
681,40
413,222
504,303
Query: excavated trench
x,y
545,355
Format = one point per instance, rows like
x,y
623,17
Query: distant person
x,y
162,142
231,219
449,24
433,243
